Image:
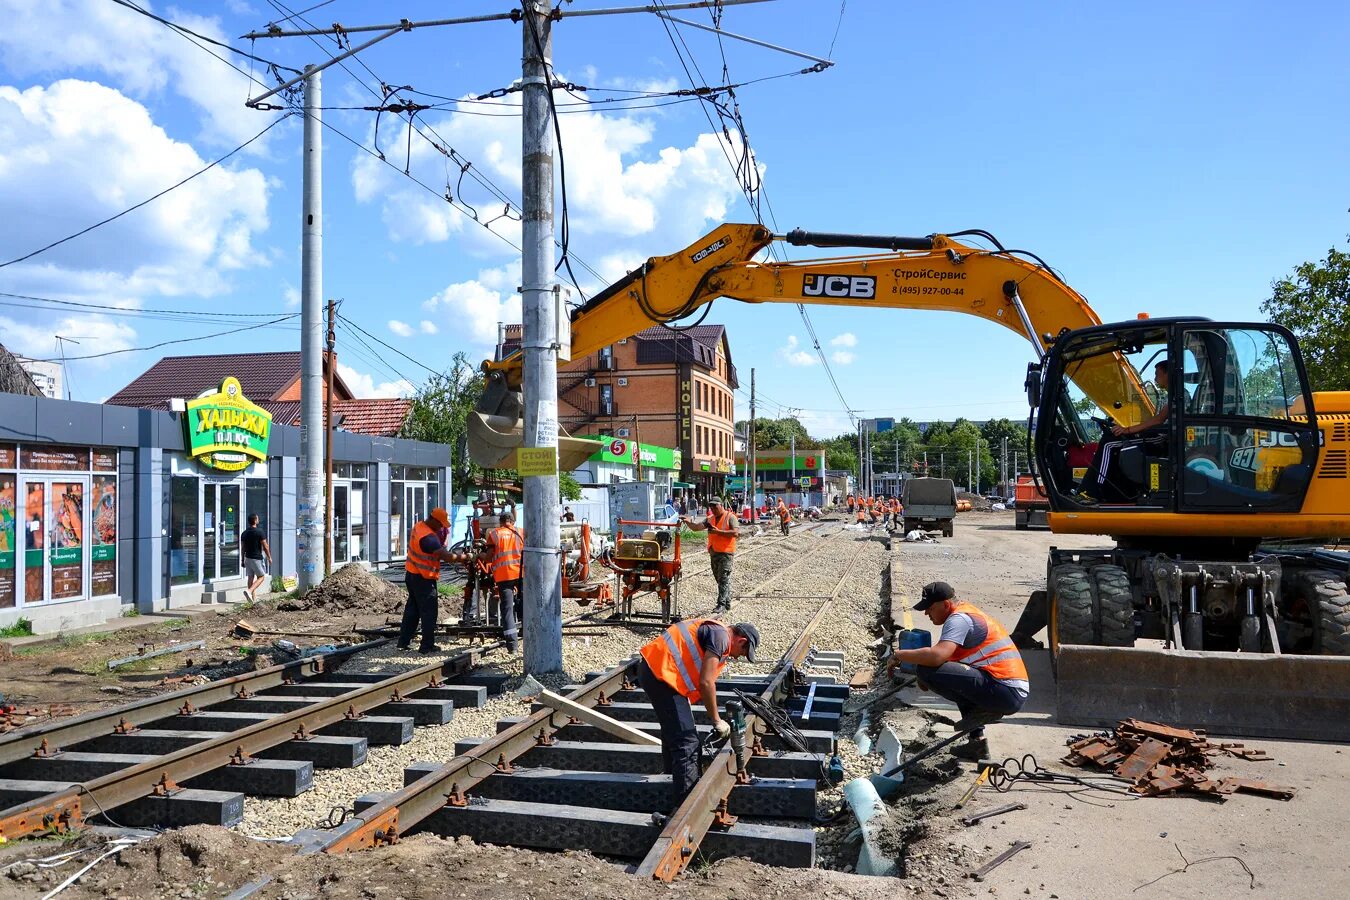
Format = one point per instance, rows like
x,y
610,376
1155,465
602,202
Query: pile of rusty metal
x,y
12,717
1159,759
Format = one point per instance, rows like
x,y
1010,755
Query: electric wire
x,y
208,167
185,340
388,346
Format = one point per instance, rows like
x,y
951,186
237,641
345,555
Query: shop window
x,y
104,508
9,534
255,501
183,537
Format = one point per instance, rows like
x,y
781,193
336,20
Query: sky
x,y
1165,158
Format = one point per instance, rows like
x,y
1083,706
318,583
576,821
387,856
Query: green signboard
x,y
622,450
225,431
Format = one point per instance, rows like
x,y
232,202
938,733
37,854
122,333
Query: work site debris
x,y
1159,759
145,652
12,717
350,587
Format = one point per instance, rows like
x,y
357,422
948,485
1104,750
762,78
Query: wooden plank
x,y
162,651
598,719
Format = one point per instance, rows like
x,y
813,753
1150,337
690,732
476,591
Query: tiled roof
x,y
708,335
382,417
262,376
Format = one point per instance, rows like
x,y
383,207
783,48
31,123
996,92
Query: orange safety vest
x,y
895,506
509,545
850,503
722,543
996,655
676,658
418,561
783,512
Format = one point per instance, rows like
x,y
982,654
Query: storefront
x,y
104,509
620,459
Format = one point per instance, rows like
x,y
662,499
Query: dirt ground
x,y
1084,845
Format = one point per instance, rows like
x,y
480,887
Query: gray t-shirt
x,y
966,632
712,638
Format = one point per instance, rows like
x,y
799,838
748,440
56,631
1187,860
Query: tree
x,y
440,412
1314,303
773,433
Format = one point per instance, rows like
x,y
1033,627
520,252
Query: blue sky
x,y
1165,158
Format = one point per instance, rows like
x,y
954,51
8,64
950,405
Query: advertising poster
x,y
104,502
9,531
67,539
34,541
7,456
53,459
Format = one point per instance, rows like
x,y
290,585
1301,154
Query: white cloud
x,y
473,308
794,355
847,339
142,56
842,357
291,297
402,329
75,153
427,327
364,386
95,334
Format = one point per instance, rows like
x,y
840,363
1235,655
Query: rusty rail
x,y
449,785
61,733
66,810
706,804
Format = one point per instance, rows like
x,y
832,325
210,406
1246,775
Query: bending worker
x,y
722,530
505,547
974,664
422,569
784,516
680,667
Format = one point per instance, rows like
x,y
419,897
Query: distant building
x,y
14,378
46,375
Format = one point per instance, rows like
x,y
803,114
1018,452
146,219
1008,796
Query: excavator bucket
x,y
496,431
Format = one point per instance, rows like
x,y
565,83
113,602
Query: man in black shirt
x,y
254,544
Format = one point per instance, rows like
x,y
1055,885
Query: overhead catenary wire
x,y
189,34
185,340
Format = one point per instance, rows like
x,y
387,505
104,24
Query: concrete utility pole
x,y
328,434
975,488
750,453
539,384
860,458
311,516
792,458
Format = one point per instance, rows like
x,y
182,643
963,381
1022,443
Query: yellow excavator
x,y
1198,446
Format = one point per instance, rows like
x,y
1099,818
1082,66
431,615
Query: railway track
x,y
548,781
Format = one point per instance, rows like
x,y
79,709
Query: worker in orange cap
x,y
422,569
505,549
784,517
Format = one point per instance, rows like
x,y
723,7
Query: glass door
x,y
341,533
56,538
227,528
208,532
415,507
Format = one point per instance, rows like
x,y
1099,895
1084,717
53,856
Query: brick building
x,y
664,387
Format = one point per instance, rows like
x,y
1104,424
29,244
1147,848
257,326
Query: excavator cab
x,y
1219,411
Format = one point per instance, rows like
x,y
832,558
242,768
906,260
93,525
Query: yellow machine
x,y
1244,453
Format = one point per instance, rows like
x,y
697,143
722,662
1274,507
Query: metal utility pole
x,y
1004,474
328,435
860,458
750,452
539,384
792,457
311,517
976,488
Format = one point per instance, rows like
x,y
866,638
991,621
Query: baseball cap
x,y
935,592
751,635
440,515
714,499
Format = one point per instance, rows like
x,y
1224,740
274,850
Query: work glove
x,y
723,728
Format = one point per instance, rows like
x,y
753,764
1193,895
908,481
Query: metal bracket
x,y
456,797
45,751
124,727
504,766
166,786
721,818
351,714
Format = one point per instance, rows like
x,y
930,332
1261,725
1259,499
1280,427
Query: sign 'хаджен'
x,y
225,431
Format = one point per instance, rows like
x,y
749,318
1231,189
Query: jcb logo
x,y
858,287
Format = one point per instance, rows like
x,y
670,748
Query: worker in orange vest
x,y
504,550
851,504
681,667
895,513
422,569
784,517
722,530
974,664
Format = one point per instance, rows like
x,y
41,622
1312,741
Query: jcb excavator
x,y
1218,511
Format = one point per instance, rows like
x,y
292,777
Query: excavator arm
x,y
936,272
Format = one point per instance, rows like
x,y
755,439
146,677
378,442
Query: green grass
x,y
69,641
130,612
21,628
444,589
689,536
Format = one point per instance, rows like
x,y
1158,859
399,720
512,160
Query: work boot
x,y
434,648
973,750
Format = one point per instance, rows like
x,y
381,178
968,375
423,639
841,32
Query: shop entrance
x,y
56,538
220,531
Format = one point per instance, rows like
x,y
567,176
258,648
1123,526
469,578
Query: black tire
x,y
1328,601
1071,593
948,530
1020,523
1115,605
1249,637
1193,631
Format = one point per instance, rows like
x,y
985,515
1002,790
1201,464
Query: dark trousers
x,y
971,689
721,570
508,593
679,734
423,606
783,524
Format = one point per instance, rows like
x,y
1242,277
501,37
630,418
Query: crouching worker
x,y
974,664
681,667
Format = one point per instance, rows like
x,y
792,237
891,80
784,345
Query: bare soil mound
x,y
351,587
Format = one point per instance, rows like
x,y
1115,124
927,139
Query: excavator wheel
x,y
1071,598
1328,601
1115,604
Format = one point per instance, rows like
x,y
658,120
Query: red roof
x,y
381,417
262,376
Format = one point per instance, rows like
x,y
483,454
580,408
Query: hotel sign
x,y
225,431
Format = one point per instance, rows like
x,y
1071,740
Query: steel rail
x,y
398,813
64,733
755,548
706,804
65,810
